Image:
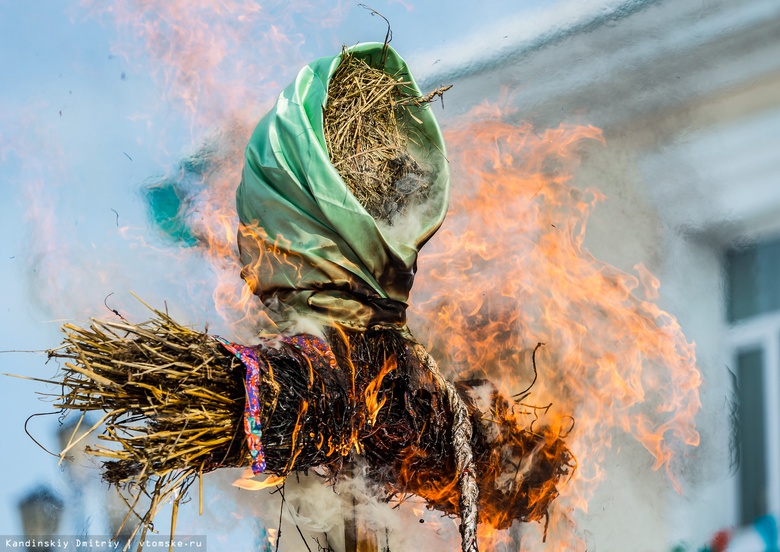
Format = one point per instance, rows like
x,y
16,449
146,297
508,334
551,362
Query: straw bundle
x,y
366,135
174,400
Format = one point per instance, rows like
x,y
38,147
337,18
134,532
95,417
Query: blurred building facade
x,y
688,97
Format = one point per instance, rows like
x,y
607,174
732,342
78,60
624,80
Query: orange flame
x,y
248,482
373,404
509,270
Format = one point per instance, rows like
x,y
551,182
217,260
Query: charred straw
x,y
174,403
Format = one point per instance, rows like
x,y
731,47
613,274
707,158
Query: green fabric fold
x,y
308,247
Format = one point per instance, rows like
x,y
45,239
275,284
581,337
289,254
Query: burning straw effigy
x,y
350,153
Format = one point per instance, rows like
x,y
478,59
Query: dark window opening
x,y
752,470
753,279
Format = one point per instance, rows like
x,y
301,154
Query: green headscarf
x,y
307,245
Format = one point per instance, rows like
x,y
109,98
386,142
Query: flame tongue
x,y
373,403
508,270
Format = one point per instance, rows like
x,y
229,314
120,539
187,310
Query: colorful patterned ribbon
x,y
317,351
253,424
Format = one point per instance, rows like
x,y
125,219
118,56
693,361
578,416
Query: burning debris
x,y
180,403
